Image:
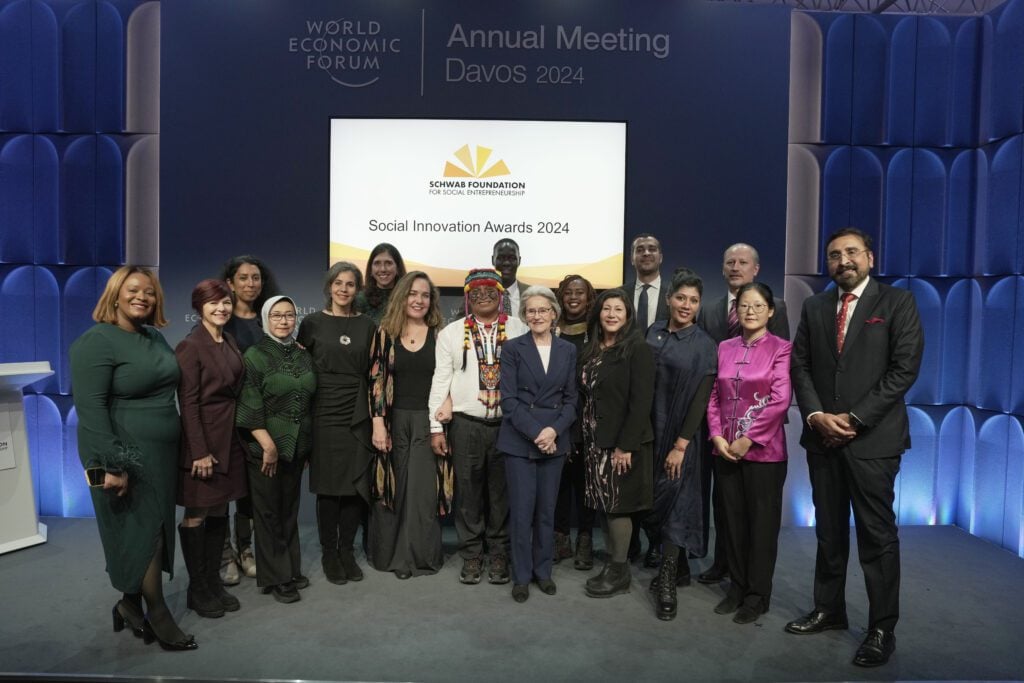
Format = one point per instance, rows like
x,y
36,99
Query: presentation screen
x,y
444,191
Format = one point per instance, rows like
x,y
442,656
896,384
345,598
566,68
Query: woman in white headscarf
x,y
274,413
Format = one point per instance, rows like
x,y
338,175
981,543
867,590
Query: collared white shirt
x,y
858,292
512,292
653,297
450,378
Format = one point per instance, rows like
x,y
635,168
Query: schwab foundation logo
x,y
475,169
351,52
469,176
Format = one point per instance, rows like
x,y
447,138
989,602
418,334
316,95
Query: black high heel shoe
x,y
122,614
149,635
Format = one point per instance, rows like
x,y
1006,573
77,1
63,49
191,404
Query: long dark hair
x,y
374,294
270,287
625,338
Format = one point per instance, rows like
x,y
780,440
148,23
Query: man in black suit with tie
x,y
645,287
740,265
650,305
856,353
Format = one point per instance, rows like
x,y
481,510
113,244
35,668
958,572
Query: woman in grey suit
x,y
538,405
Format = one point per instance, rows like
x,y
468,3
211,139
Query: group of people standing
x,y
623,402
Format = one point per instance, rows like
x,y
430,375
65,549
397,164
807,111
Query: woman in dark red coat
x,y
213,459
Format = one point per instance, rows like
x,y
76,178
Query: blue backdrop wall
x,y
908,127
911,128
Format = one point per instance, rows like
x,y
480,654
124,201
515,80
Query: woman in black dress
x,y
339,470
616,382
686,360
251,284
384,268
576,296
412,486
212,470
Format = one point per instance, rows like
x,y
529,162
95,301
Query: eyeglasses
x,y
534,312
278,317
483,293
756,308
850,253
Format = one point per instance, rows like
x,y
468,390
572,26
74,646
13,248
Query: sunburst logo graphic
x,y
475,169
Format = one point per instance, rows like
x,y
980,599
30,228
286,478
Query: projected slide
x,y
444,191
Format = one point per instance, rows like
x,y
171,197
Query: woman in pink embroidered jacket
x,y
746,417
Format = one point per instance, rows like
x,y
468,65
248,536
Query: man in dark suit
x,y
856,353
740,265
645,287
651,305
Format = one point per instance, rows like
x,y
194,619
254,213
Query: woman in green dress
x,y
124,376
274,414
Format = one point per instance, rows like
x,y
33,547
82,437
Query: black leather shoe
x,y
598,578
333,571
286,593
816,622
520,592
876,648
652,559
665,600
748,614
584,559
349,564
728,605
403,574
713,575
616,581
300,582
188,642
124,612
547,586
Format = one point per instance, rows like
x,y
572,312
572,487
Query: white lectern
x,y
19,521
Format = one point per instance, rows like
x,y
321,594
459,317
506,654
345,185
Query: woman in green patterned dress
x,y
274,412
124,376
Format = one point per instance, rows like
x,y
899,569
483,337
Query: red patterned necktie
x,y
841,319
734,320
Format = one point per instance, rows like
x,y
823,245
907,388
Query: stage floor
x,y
962,619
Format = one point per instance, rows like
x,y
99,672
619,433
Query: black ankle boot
x,y
616,581
349,564
216,532
666,602
598,578
193,548
584,558
333,571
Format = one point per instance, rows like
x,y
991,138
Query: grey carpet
x,y
963,619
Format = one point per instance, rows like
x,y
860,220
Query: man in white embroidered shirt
x,y
468,368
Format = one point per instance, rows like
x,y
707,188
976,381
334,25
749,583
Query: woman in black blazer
x,y
617,382
538,405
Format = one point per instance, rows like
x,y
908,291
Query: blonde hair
x,y
393,320
106,307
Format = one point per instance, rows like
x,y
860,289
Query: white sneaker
x,y
248,562
229,572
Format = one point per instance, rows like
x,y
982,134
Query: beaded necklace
x,y
489,372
